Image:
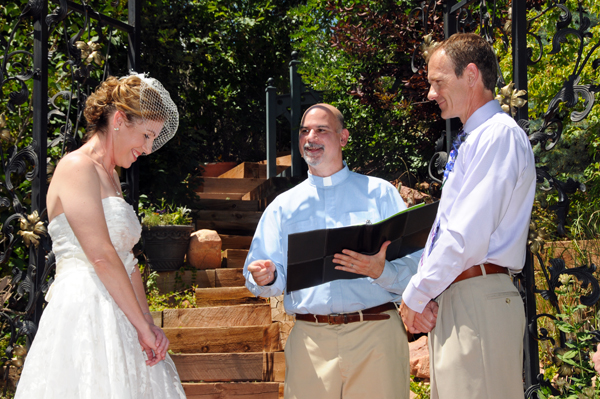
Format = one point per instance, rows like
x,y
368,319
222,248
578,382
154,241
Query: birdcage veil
x,y
156,105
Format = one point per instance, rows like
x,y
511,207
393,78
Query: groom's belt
x,y
370,314
475,271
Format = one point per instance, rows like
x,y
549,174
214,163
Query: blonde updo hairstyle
x,y
118,95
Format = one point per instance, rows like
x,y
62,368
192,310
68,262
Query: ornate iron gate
x,y
76,43
513,27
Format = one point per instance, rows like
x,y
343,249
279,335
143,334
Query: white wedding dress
x,y
85,347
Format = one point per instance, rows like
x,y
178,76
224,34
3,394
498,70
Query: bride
x,y
96,338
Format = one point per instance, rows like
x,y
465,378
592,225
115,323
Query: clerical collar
x,y
329,181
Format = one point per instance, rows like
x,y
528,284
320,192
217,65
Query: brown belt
x,y
371,314
475,271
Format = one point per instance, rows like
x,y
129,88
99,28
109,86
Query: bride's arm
x,y
162,342
76,187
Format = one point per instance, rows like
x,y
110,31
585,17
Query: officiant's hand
x,y
367,265
263,271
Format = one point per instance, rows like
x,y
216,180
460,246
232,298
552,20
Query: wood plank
x,y
234,173
267,191
230,216
225,185
274,366
227,205
266,366
219,196
232,390
251,170
234,258
279,366
177,280
224,339
231,277
225,316
285,160
228,222
236,228
235,242
157,317
226,296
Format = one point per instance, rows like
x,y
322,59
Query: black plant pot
x,y
165,246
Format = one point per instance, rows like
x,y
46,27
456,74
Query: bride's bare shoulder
x,y
76,161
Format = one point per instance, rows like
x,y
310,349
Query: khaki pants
x,y
476,348
363,360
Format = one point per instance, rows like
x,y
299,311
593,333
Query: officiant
x,y
348,340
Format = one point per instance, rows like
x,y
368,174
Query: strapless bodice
x,y
85,346
123,227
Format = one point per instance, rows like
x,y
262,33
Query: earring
x,y
116,128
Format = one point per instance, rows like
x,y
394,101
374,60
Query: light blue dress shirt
x,y
343,199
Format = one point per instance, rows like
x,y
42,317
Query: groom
x,y
480,234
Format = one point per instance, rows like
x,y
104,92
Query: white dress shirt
x,y
485,207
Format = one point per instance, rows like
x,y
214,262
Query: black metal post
x,y
531,364
519,51
295,93
132,174
531,361
39,134
271,129
450,28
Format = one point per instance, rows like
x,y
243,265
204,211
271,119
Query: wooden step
x,y
220,196
232,390
234,258
226,296
228,222
235,242
227,205
224,339
225,185
264,366
247,170
225,316
282,159
179,280
230,277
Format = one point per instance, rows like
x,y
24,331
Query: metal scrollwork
x,y
561,208
585,274
439,160
571,103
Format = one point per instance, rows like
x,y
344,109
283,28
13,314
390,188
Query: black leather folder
x,y
310,254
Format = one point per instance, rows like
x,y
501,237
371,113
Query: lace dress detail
x,y
85,346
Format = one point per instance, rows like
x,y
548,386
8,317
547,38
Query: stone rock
x,y
204,251
419,358
412,197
